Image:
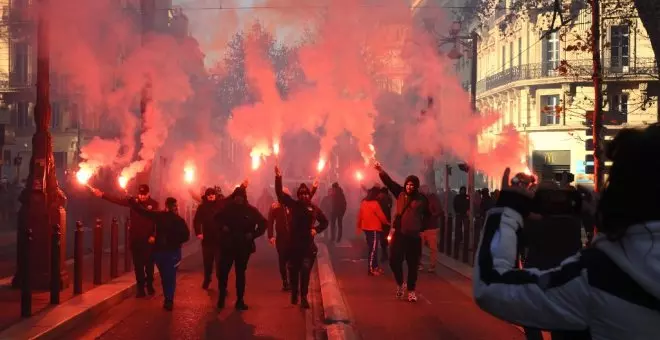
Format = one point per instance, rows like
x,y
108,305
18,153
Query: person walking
x,y
370,221
338,212
170,233
431,226
279,222
207,231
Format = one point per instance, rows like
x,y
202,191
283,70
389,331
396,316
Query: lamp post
x,y
42,201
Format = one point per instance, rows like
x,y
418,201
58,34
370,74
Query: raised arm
x,y
151,214
395,188
282,197
315,187
123,201
555,299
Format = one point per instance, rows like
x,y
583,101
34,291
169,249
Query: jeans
x,y
227,260
166,262
405,248
373,238
143,264
336,227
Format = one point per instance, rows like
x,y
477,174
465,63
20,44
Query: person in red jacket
x,y
370,221
141,229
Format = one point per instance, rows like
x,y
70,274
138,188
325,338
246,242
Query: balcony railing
x,y
576,68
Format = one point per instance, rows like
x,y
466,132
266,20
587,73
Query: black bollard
x,y
441,235
55,273
78,258
466,243
98,252
114,248
447,238
127,247
26,288
458,233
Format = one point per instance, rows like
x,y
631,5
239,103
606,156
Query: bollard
x,y
447,238
55,273
441,235
26,288
78,258
98,252
466,243
458,223
127,248
114,248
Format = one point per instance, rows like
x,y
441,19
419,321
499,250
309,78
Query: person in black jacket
x,y
206,230
279,222
171,232
141,229
240,224
301,248
338,212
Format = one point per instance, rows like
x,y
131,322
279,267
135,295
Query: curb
x,y
335,311
54,322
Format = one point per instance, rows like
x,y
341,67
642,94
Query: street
x,y
443,311
195,316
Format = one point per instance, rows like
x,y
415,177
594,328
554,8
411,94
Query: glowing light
x,y
189,174
359,176
276,149
123,181
321,165
83,175
256,161
527,171
389,238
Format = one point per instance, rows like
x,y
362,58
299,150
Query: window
x,y
550,110
618,110
60,160
20,71
503,57
520,52
511,54
56,115
620,47
21,116
550,53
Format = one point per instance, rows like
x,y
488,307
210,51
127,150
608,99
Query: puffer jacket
x,y
611,290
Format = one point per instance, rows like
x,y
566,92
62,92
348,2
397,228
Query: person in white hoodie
x,y
610,290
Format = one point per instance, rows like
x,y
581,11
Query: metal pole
x,y
114,248
599,160
98,252
78,259
55,278
473,146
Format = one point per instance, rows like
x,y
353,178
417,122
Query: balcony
x,y
577,69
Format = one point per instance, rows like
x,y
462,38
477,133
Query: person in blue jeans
x,y
171,232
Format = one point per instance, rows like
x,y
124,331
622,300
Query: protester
x,y
302,249
370,221
141,229
338,212
431,225
609,290
279,228
206,230
412,208
170,233
240,224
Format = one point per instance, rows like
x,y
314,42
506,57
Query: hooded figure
x,y
239,224
412,211
206,230
279,225
301,250
338,210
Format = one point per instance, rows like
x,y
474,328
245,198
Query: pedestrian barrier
x,y
114,248
98,252
55,270
78,258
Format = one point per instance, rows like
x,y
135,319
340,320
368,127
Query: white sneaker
x,y
399,291
412,297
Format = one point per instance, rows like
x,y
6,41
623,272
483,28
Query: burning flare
x,y
256,161
84,174
123,181
276,149
359,176
189,173
321,165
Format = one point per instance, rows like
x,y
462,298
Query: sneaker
x,y
412,297
304,304
431,270
399,291
151,290
240,305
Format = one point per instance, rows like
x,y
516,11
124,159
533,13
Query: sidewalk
x,y
11,298
442,312
52,321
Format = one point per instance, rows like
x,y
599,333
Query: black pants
x,y
405,248
300,269
208,255
336,227
226,261
143,264
283,261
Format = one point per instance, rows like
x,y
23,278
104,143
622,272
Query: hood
x,y
414,180
637,253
